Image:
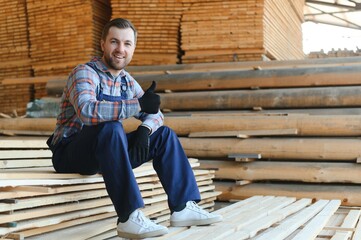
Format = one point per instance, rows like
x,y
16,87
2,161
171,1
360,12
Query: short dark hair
x,y
119,23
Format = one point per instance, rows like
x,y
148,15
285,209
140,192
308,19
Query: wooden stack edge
x,y
14,97
269,217
213,20
14,48
157,24
71,34
36,202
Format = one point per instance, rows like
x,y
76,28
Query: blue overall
x,y
104,148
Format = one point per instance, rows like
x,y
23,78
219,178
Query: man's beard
x,y
111,63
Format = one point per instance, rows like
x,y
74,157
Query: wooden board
x,y
269,217
35,200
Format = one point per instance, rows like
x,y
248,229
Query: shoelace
x,y
195,206
141,219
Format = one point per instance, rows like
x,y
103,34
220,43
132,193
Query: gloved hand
x,y
139,147
150,101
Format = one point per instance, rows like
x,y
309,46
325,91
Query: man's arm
x,y
82,86
151,121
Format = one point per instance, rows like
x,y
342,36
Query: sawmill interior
x,y
271,133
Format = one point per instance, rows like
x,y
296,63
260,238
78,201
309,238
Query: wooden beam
x,y
317,97
344,149
321,172
307,125
250,133
350,195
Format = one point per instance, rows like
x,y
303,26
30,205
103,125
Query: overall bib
x,y
103,148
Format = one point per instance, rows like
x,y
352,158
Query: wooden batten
x,y
321,149
300,171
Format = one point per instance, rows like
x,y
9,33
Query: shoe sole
x,y
188,223
144,235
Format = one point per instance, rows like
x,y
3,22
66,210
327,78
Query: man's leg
x,y
173,168
103,148
176,175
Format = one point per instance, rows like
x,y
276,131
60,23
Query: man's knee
x,y
109,129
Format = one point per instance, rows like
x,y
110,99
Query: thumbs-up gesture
x,y
150,101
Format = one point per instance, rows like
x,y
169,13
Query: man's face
x,y
118,49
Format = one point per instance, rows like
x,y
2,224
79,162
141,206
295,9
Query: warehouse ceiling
x,y
344,13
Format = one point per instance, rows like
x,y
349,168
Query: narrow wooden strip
x,y
71,223
18,154
24,163
52,210
291,224
271,132
349,222
357,233
46,221
312,228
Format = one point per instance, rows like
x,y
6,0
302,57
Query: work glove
x,y
150,101
139,147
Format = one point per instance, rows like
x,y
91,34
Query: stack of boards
x,y
226,31
37,203
64,33
14,48
157,23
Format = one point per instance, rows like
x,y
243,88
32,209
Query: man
x,y
89,137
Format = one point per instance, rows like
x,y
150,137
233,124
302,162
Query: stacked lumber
x,y
226,31
271,140
14,48
334,53
157,23
282,29
13,98
269,217
62,39
37,203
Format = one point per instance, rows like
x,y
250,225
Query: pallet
x,y
269,217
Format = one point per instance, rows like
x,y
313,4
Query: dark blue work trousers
x,y
104,148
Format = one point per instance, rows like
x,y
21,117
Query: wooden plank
x,y
349,222
19,163
297,171
347,124
321,97
291,224
323,149
70,223
348,194
314,227
357,233
271,132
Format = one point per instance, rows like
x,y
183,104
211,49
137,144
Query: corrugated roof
x,y
344,13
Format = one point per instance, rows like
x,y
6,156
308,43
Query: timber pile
x,y
62,39
14,48
335,53
15,97
157,23
269,217
226,31
37,203
303,144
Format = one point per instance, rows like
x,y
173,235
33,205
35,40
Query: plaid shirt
x,y
79,104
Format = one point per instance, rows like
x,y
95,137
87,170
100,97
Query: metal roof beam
x,y
333,4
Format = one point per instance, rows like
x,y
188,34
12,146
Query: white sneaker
x,y
193,215
138,226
